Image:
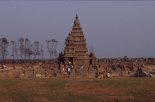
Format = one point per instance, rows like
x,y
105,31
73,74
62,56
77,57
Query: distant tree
x,y
14,49
28,49
3,48
21,47
36,49
52,47
12,45
55,44
125,58
42,52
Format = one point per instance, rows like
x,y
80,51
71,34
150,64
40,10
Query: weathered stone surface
x,y
75,50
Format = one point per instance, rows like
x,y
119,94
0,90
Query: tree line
x,y
24,50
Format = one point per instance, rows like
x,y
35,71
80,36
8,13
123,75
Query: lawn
x,y
78,90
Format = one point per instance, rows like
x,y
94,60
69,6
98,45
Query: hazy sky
x,y
112,29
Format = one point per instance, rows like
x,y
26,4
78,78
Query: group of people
x,y
69,69
66,69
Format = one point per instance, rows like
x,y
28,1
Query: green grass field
x,y
78,90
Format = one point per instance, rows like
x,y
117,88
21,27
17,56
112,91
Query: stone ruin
x,y
75,50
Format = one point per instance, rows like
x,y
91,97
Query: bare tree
x,y
55,44
14,49
36,49
3,48
21,47
42,52
52,48
28,49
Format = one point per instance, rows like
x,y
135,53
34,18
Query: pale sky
x,y
112,29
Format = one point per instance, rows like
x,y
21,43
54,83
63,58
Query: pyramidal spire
x,y
76,21
76,17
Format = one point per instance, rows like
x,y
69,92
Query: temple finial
x,y
76,16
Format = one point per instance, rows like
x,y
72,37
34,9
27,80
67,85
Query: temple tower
x,y
75,50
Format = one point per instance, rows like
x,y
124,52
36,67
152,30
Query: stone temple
x,y
75,50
